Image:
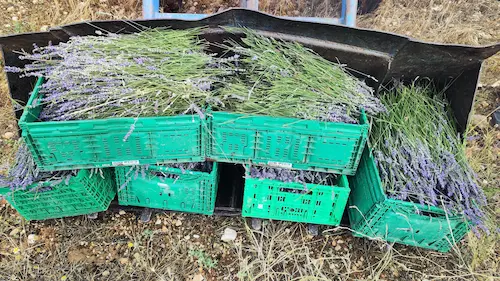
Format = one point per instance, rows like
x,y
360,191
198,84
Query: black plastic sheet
x,y
380,55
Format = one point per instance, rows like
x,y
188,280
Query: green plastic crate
x,y
193,192
287,142
273,199
66,145
84,194
373,215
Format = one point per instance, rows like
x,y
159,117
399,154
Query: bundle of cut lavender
x,y
24,173
280,78
160,72
420,156
135,172
288,175
155,72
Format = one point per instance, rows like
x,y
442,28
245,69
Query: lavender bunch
x,y
155,72
145,172
24,173
420,156
288,175
205,167
281,78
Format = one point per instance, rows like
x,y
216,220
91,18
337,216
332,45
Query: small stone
x,y
187,237
334,243
196,236
287,230
340,241
229,235
10,9
15,18
15,231
178,223
256,224
8,135
195,4
338,248
198,277
158,222
124,260
44,28
32,238
105,273
122,212
34,2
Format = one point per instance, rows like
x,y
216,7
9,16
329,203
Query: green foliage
x,y
204,260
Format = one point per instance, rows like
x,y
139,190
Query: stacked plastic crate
x,y
102,143
147,180
58,146
289,143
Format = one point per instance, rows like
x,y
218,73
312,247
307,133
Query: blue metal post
x,y
351,10
150,8
250,4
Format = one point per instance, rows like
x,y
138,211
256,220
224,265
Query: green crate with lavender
x,y
185,187
133,99
78,144
116,100
287,142
294,195
416,187
38,195
290,108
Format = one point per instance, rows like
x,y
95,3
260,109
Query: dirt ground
x,y
175,246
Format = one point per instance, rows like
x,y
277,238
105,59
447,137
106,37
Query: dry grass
x,y
444,21
305,8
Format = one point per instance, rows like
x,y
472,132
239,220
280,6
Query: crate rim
x,y
341,184
6,191
363,118
173,170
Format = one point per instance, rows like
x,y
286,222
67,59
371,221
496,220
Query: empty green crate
x,y
373,215
287,142
190,191
66,145
84,194
273,199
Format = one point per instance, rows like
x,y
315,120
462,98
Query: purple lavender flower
x,y
130,131
12,69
